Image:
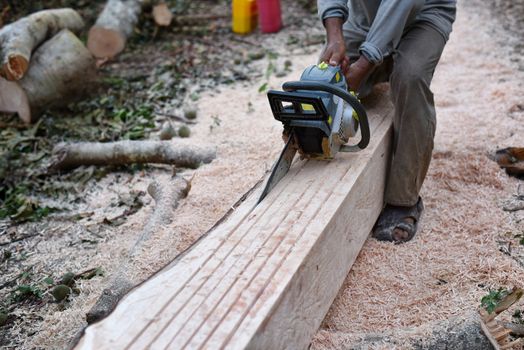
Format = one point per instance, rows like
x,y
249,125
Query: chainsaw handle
x,y
346,96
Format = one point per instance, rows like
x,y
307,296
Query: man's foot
x,y
398,224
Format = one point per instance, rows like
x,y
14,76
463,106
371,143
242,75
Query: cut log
x,y
126,277
19,39
162,15
266,276
61,71
67,156
107,38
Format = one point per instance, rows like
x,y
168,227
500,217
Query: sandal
x,y
394,218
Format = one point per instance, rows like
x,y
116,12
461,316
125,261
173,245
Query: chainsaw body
x,y
320,113
319,116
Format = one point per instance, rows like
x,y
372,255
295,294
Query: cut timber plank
x,y
265,277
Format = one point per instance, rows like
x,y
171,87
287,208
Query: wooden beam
x,y
265,277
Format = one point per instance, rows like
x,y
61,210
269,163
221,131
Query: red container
x,y
269,16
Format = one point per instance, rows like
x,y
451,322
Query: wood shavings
x,y
454,258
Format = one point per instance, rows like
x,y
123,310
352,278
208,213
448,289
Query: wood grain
x,y
265,277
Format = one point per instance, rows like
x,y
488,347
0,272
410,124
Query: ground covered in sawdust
x,y
466,246
97,214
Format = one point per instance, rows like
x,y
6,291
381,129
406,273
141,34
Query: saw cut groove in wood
x,y
266,276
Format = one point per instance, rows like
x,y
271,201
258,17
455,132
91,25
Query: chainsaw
x,y
319,115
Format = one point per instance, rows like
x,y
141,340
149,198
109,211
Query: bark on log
x,y
19,39
107,38
60,72
166,199
68,156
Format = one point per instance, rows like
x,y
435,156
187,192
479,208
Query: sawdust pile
x,y
239,122
442,273
455,258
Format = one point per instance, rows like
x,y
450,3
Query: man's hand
x,y
334,52
358,72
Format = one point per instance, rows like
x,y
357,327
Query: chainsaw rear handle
x,y
346,96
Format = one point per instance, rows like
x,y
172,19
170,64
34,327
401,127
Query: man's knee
x,y
408,76
411,93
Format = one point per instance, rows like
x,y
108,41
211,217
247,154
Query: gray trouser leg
x,y
414,120
410,70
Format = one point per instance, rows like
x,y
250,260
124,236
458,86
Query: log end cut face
x,y
162,15
15,67
105,43
13,99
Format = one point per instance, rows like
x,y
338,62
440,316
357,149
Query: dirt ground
x,y
466,246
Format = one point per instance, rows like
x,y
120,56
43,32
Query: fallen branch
x,y
171,116
107,38
60,72
166,198
15,240
19,39
68,156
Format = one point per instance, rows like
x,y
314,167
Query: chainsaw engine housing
x,y
322,121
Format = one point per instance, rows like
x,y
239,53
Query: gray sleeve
x,y
387,28
332,8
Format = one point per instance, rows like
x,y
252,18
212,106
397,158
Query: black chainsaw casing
x,y
311,125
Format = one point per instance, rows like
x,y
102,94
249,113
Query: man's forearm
x,y
334,52
334,29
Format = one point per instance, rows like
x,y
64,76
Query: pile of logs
x,y
44,64
42,60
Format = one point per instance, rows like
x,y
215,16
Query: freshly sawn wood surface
x,y
108,37
266,276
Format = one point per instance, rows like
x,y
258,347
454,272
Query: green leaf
x,y
49,280
490,301
262,87
26,291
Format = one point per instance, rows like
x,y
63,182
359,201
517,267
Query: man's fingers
x,y
335,59
325,55
323,58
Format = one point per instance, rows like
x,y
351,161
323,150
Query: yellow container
x,y
244,16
